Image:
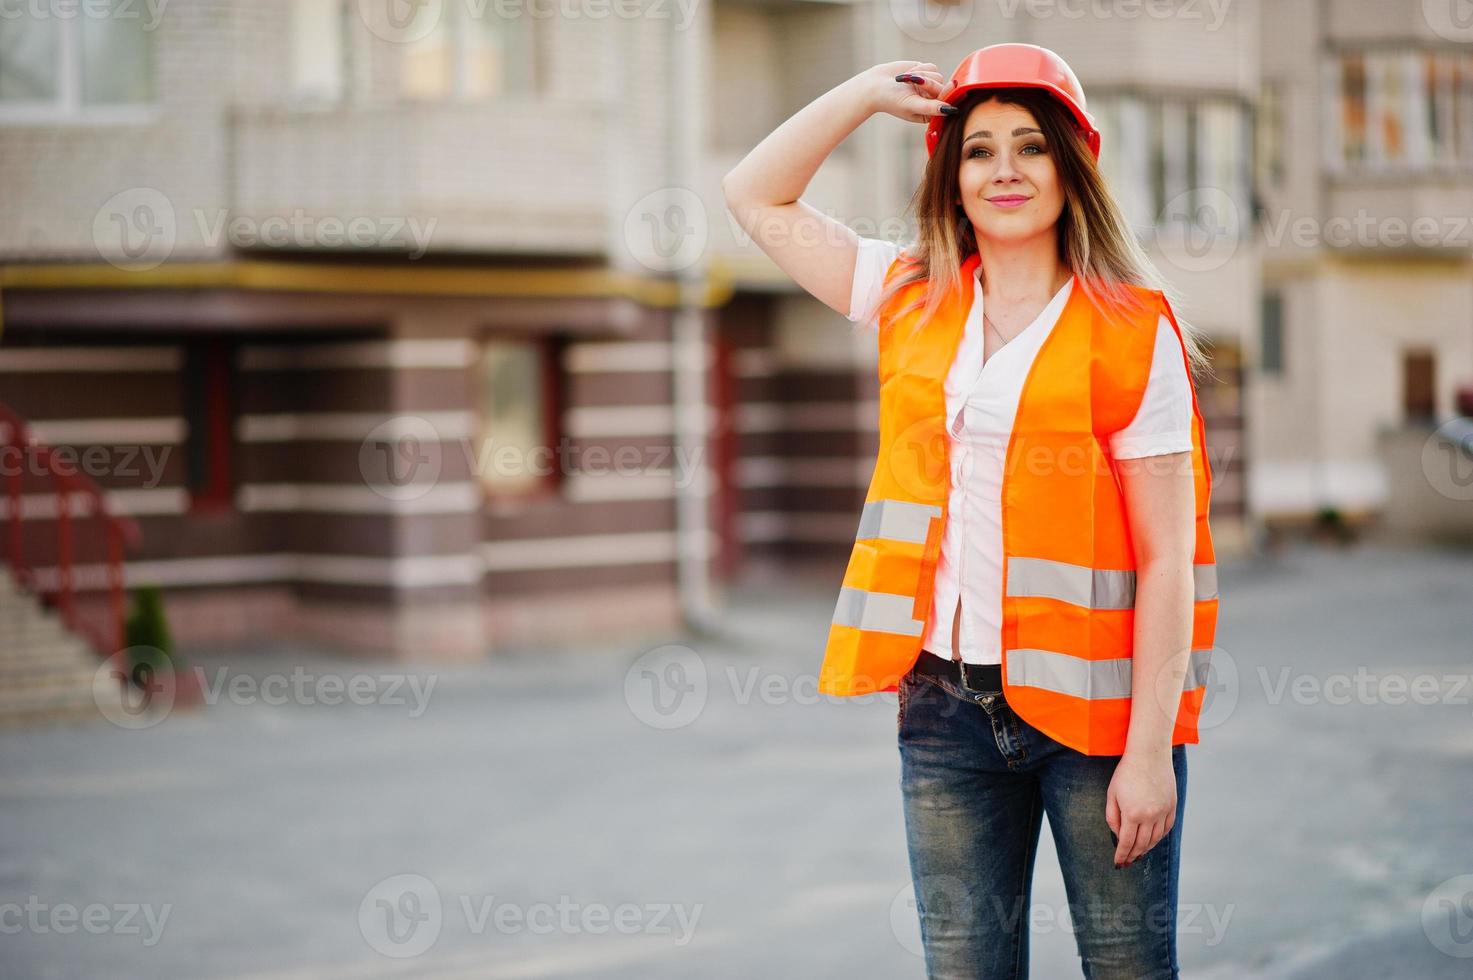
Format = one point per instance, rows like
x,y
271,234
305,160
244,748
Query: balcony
x,y
470,176
1424,212
1397,153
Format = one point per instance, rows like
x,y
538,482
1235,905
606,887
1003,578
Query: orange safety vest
x,y
1068,575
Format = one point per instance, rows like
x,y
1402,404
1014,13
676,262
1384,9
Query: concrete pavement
x,y
687,807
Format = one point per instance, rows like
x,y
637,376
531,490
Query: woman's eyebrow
x,y
1020,131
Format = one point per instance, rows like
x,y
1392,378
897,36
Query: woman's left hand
x,y
1140,806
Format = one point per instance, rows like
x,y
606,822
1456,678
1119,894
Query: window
x,y
322,50
1397,111
1271,338
1419,385
471,55
517,450
209,410
1166,158
1268,143
1124,159
28,59
1442,79
97,57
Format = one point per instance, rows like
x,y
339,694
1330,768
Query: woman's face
x,y
1009,186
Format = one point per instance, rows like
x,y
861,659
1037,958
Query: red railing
x,y
63,569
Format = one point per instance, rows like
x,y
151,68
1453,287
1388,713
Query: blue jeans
x,y
976,781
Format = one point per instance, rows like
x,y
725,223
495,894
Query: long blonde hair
x,y
1095,241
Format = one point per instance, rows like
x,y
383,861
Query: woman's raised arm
x,y
763,190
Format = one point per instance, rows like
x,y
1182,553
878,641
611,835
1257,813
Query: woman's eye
x,y
976,150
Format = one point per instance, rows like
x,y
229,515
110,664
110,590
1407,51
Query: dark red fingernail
x,y
909,78
949,110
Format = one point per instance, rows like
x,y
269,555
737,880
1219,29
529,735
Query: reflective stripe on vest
x,y
897,520
1092,680
883,612
1094,588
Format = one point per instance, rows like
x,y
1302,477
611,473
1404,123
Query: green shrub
x,y
147,632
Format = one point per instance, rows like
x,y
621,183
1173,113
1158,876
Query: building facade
x,y
363,289
1367,118
439,338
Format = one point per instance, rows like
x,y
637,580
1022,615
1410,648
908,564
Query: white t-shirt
x,y
981,404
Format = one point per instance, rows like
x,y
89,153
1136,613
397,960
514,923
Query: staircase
x,y
48,674
61,596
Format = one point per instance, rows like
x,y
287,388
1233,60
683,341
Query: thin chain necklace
x,y
988,321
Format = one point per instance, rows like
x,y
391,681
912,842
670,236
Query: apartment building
x,y
1366,119
362,289
341,275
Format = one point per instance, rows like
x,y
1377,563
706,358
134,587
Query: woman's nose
x,y
1005,168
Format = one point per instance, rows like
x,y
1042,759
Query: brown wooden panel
x,y
801,386
523,581
45,395
622,388
561,518
348,390
345,462
835,444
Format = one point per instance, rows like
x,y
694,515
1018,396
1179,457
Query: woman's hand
x,y
764,190
1140,805
909,90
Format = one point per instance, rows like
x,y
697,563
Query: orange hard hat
x,y
1020,66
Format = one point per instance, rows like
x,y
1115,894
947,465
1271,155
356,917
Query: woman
x,y
1047,627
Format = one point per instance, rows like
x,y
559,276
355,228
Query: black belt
x,y
978,678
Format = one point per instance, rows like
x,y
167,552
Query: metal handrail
x,y
20,445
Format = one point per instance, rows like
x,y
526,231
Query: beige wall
x,y
1209,45
1428,494
1316,429
1382,20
